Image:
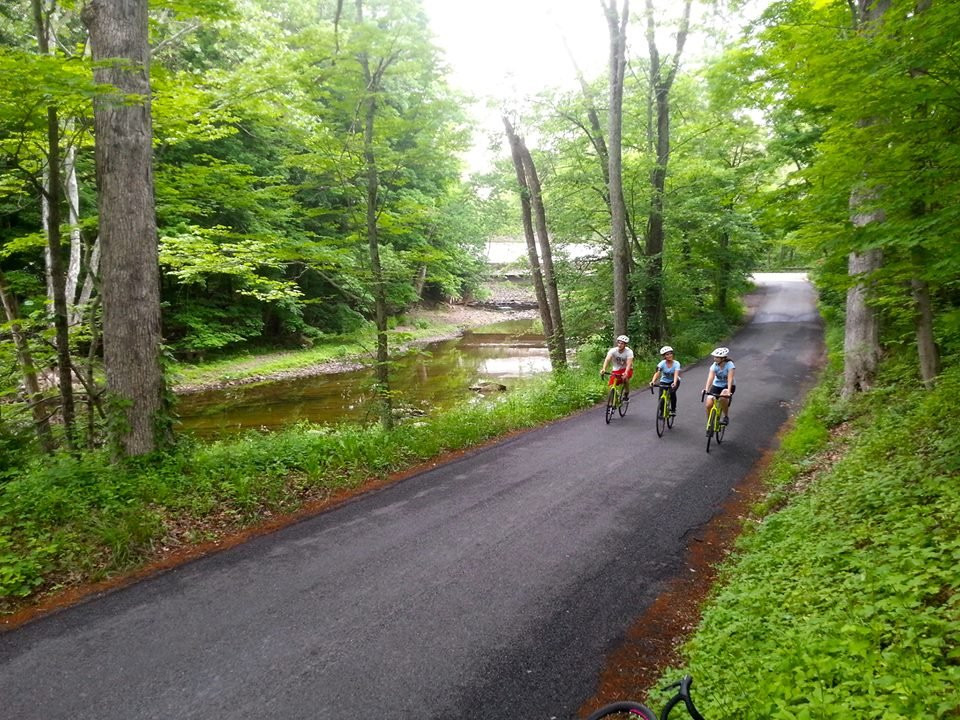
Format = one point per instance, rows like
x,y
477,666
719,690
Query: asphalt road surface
x,y
491,587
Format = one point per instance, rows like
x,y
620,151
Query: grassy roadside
x,y
841,599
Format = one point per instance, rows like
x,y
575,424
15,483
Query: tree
x,y
128,231
544,278
660,84
617,25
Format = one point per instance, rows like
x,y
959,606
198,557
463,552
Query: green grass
x,y
843,604
81,519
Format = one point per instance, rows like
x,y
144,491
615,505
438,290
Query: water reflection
x,y
439,375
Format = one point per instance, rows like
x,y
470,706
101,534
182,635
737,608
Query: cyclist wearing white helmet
x,y
620,357
720,383
667,375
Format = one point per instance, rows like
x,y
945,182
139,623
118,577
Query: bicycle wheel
x,y
625,710
611,403
624,402
709,429
661,414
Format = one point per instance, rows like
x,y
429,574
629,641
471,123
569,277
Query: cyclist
x,y
668,374
720,384
620,357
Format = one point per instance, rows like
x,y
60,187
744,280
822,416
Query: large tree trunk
x,y
57,272
34,396
527,216
557,341
130,273
861,335
660,85
861,345
617,25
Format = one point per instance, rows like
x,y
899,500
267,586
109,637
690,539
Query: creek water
x,y
436,376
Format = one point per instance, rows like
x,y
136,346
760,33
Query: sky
x,y
509,50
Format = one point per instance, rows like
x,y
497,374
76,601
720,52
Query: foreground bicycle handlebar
x,y
638,711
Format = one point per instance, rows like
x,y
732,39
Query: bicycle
x,y
629,710
664,416
617,399
715,426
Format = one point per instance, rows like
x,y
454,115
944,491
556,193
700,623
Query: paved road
x,y
492,587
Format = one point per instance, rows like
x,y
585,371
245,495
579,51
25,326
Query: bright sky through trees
x,y
504,51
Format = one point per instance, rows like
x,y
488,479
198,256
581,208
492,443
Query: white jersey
x,y
619,359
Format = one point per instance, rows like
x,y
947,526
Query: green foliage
x,y
843,603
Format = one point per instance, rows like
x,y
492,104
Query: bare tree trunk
x,y
558,343
927,351
543,304
660,84
34,396
130,272
57,276
617,25
76,241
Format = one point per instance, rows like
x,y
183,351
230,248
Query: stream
x,y
438,375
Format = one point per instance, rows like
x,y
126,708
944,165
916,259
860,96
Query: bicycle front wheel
x,y
624,710
721,429
661,415
611,404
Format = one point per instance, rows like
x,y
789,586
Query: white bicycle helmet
x,y
665,349
721,352
623,339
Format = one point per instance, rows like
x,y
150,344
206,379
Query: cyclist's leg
x,y
673,398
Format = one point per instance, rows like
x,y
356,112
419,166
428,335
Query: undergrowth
x,y
844,603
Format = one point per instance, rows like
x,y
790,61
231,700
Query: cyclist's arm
x,y
676,374
710,377
656,376
606,361
730,379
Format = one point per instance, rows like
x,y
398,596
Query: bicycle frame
x,y
616,402
664,418
715,428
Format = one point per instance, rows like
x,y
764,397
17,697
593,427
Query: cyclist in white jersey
x,y
720,383
668,375
620,358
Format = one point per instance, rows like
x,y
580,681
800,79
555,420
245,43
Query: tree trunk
x,y
660,85
927,351
76,241
543,304
34,396
557,341
379,290
861,345
57,273
130,274
617,25
595,136
861,335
